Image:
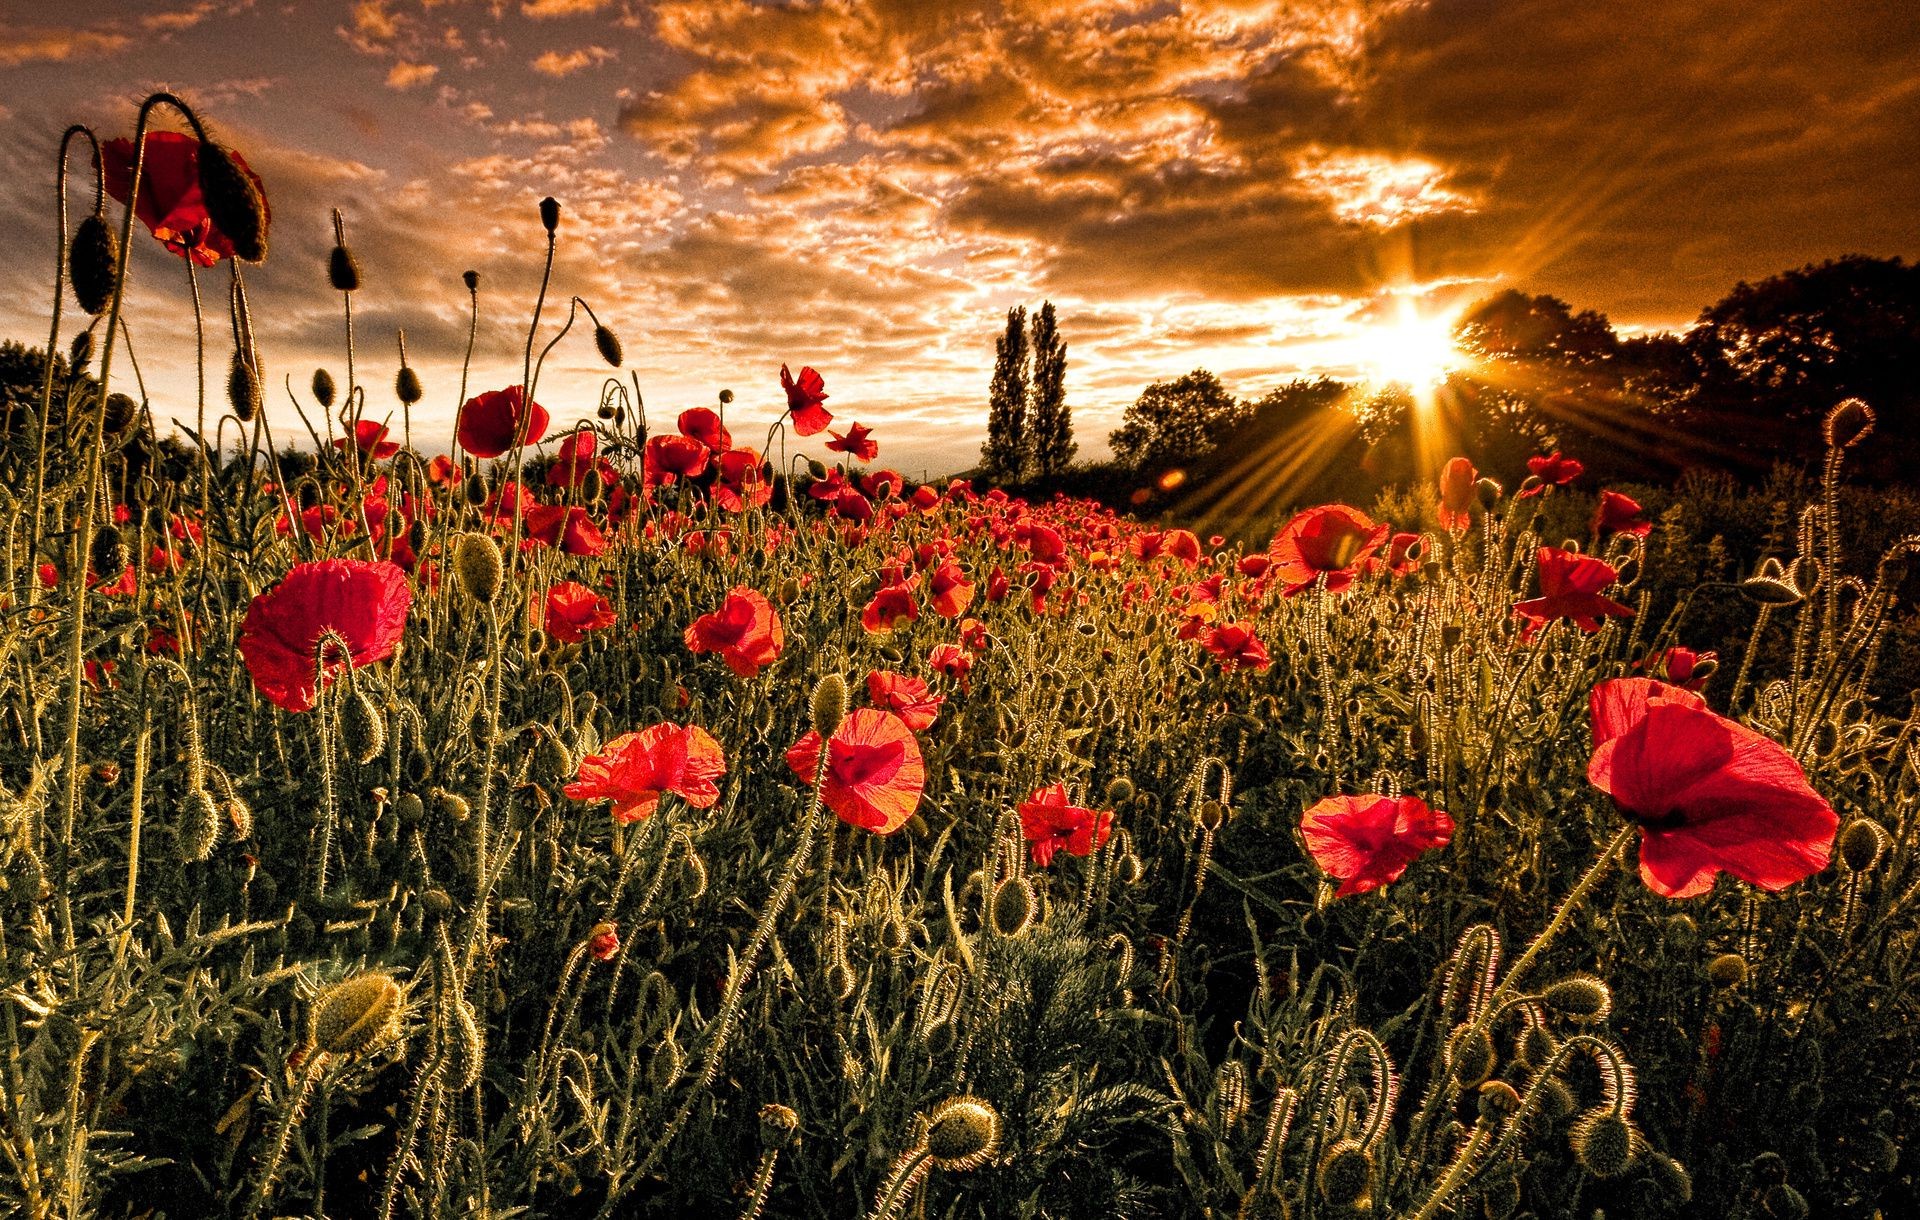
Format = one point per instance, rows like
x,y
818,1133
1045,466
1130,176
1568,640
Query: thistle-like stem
x,y
907,1175
1573,899
762,1184
309,1073
1457,1171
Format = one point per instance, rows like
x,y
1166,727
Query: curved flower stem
x,y
1573,899
1457,1171
906,1177
53,341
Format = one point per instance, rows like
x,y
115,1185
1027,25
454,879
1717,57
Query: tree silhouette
x,y
1050,421
1174,422
1004,455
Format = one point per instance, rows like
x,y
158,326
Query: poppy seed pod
x,y
343,270
356,1015
1346,1173
362,731
609,345
829,704
777,1125
243,388
1605,1143
323,387
1471,1052
550,213
199,826
1582,997
1012,906
406,386
471,279
726,396
234,202
963,1133
91,257
1727,971
1848,423
1861,843
1487,492
478,567
466,1047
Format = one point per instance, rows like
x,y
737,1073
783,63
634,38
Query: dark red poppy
x,y
1457,478
489,422
170,203
949,591
1552,471
742,482
1050,824
704,425
1404,553
893,606
1366,842
369,437
925,498
1682,667
1237,647
1332,540
745,631
874,774
573,610
1709,794
855,443
906,697
1183,545
1618,514
603,942
635,769
1570,585
803,400
670,456
362,603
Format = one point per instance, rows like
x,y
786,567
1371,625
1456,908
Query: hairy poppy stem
x,y
1573,899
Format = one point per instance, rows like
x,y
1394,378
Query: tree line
x,y
1029,425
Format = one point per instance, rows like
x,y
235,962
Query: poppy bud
x,y
471,279
1773,585
452,804
1605,1143
91,258
1582,997
1487,492
1860,844
243,388
1500,1198
107,555
1346,1171
119,415
406,386
895,936
1727,971
362,731
239,816
963,1133
1536,1046
609,345
1119,790
1471,1052
1675,1183
1498,1098
478,490
726,396
603,942
829,705
1129,869
815,470
323,387
786,591
1210,815
357,1014
840,980
233,202
343,270
199,826
1848,423
550,213
1556,1099
80,351
478,567
1012,906
467,1047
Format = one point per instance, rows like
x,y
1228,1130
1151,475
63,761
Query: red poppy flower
x,y
1682,667
1050,824
635,770
369,437
670,456
489,422
742,483
1332,541
1237,647
603,942
906,697
874,776
953,661
745,631
803,400
363,603
49,576
949,591
170,204
1618,514
443,471
1457,478
925,498
855,443
893,607
574,462
1552,471
973,634
568,527
1366,842
1403,554
1709,795
705,426
1570,586
1182,545
573,610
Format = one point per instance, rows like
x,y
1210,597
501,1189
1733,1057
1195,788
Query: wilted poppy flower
x,y
364,603
1332,540
1682,667
1237,647
1457,478
369,437
893,606
1709,794
1366,842
170,203
1618,514
573,610
603,942
745,631
803,400
949,591
635,769
855,443
906,697
874,775
704,425
1570,587
489,422
670,456
1552,471
1050,824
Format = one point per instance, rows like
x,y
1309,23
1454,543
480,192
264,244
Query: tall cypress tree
x,y
1005,453
1050,421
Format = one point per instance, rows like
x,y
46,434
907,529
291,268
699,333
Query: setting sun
x,y
1411,349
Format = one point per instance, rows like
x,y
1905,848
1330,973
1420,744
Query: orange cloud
x,y
554,64
404,75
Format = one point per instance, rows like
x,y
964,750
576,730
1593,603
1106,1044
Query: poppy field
x,y
608,811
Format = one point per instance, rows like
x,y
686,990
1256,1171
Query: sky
x,y
1257,187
